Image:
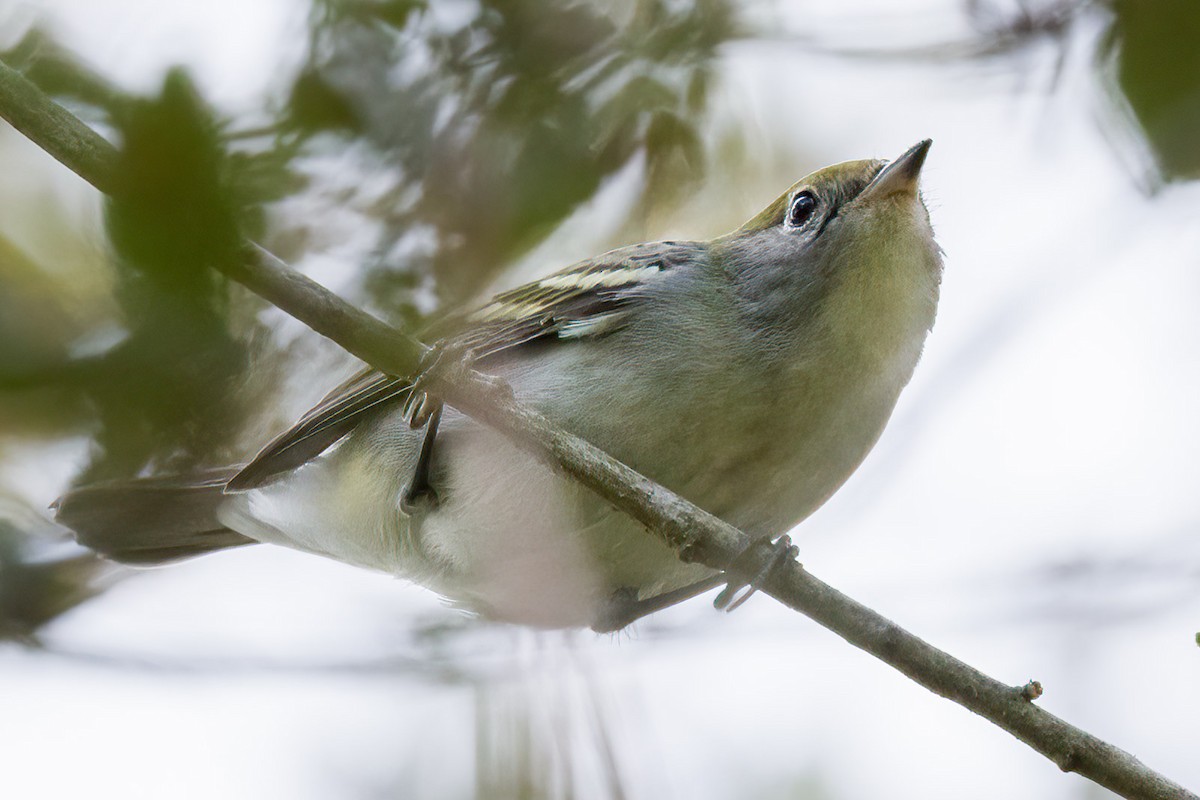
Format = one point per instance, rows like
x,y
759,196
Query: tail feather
x,y
151,520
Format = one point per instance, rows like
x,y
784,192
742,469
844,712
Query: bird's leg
x,y
424,409
624,607
419,494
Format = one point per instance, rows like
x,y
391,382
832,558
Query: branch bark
x,y
694,534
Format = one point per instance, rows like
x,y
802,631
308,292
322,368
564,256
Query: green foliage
x,y
314,105
165,385
172,215
1156,44
170,390
494,122
501,124
497,120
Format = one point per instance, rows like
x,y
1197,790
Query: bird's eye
x,y
802,208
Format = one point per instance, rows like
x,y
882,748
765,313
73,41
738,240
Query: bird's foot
x,y
738,590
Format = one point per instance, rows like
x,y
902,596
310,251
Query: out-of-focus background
x,y
1032,507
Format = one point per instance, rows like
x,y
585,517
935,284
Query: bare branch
x,y
694,534
75,145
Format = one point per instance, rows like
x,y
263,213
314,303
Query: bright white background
x,y
1031,508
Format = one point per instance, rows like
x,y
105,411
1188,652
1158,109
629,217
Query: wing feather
x,y
589,299
337,414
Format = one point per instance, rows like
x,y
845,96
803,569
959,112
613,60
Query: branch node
x,y
1032,690
1069,762
687,552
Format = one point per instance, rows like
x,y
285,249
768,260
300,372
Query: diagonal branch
x,y
694,534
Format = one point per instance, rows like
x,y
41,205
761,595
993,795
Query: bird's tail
x,y
151,520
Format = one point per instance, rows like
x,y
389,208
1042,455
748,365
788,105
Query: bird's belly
x,y
519,542
767,472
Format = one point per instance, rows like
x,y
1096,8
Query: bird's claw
x,y
422,403
738,591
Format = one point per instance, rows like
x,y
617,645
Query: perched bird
x,y
750,374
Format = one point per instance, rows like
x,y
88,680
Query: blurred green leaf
x,y
1156,44
170,391
172,214
314,105
394,13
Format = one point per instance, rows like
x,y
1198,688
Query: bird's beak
x,y
901,176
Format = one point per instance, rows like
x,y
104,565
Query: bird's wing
x,y
590,299
336,415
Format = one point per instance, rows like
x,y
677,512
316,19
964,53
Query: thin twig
x,y
694,534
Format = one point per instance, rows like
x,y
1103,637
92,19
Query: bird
x,y
751,374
